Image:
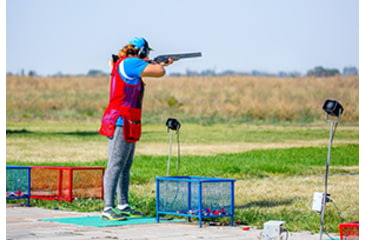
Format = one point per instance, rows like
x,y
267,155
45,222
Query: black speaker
x,y
173,124
332,107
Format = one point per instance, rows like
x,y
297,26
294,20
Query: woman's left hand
x,y
169,62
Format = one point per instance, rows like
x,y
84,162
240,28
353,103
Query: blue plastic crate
x,y
18,183
197,197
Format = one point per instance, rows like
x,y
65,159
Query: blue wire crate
x,y
18,183
197,197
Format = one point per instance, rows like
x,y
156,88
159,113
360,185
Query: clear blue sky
x,y
74,36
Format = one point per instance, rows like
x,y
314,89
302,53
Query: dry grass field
x,y
253,98
195,99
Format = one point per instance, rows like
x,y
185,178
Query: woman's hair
x,y
128,50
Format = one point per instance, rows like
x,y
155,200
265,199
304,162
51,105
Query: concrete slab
x,y
24,223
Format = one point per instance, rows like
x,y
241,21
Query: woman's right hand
x,y
154,69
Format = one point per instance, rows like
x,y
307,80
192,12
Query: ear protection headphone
x,y
144,50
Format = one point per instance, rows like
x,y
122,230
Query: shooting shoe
x,y
129,212
112,216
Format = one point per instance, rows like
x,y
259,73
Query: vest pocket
x,y
132,130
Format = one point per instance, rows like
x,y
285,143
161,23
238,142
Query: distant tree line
x,y
323,72
318,71
315,72
96,73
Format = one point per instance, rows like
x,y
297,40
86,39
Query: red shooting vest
x,y
126,101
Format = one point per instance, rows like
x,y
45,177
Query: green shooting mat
x,y
96,221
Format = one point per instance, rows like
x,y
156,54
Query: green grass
x,y
189,133
252,164
259,164
292,167
145,204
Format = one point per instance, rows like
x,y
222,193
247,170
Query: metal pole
x,y
200,204
158,200
326,179
170,153
232,203
178,151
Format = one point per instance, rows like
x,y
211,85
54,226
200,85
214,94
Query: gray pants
x,y
116,178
